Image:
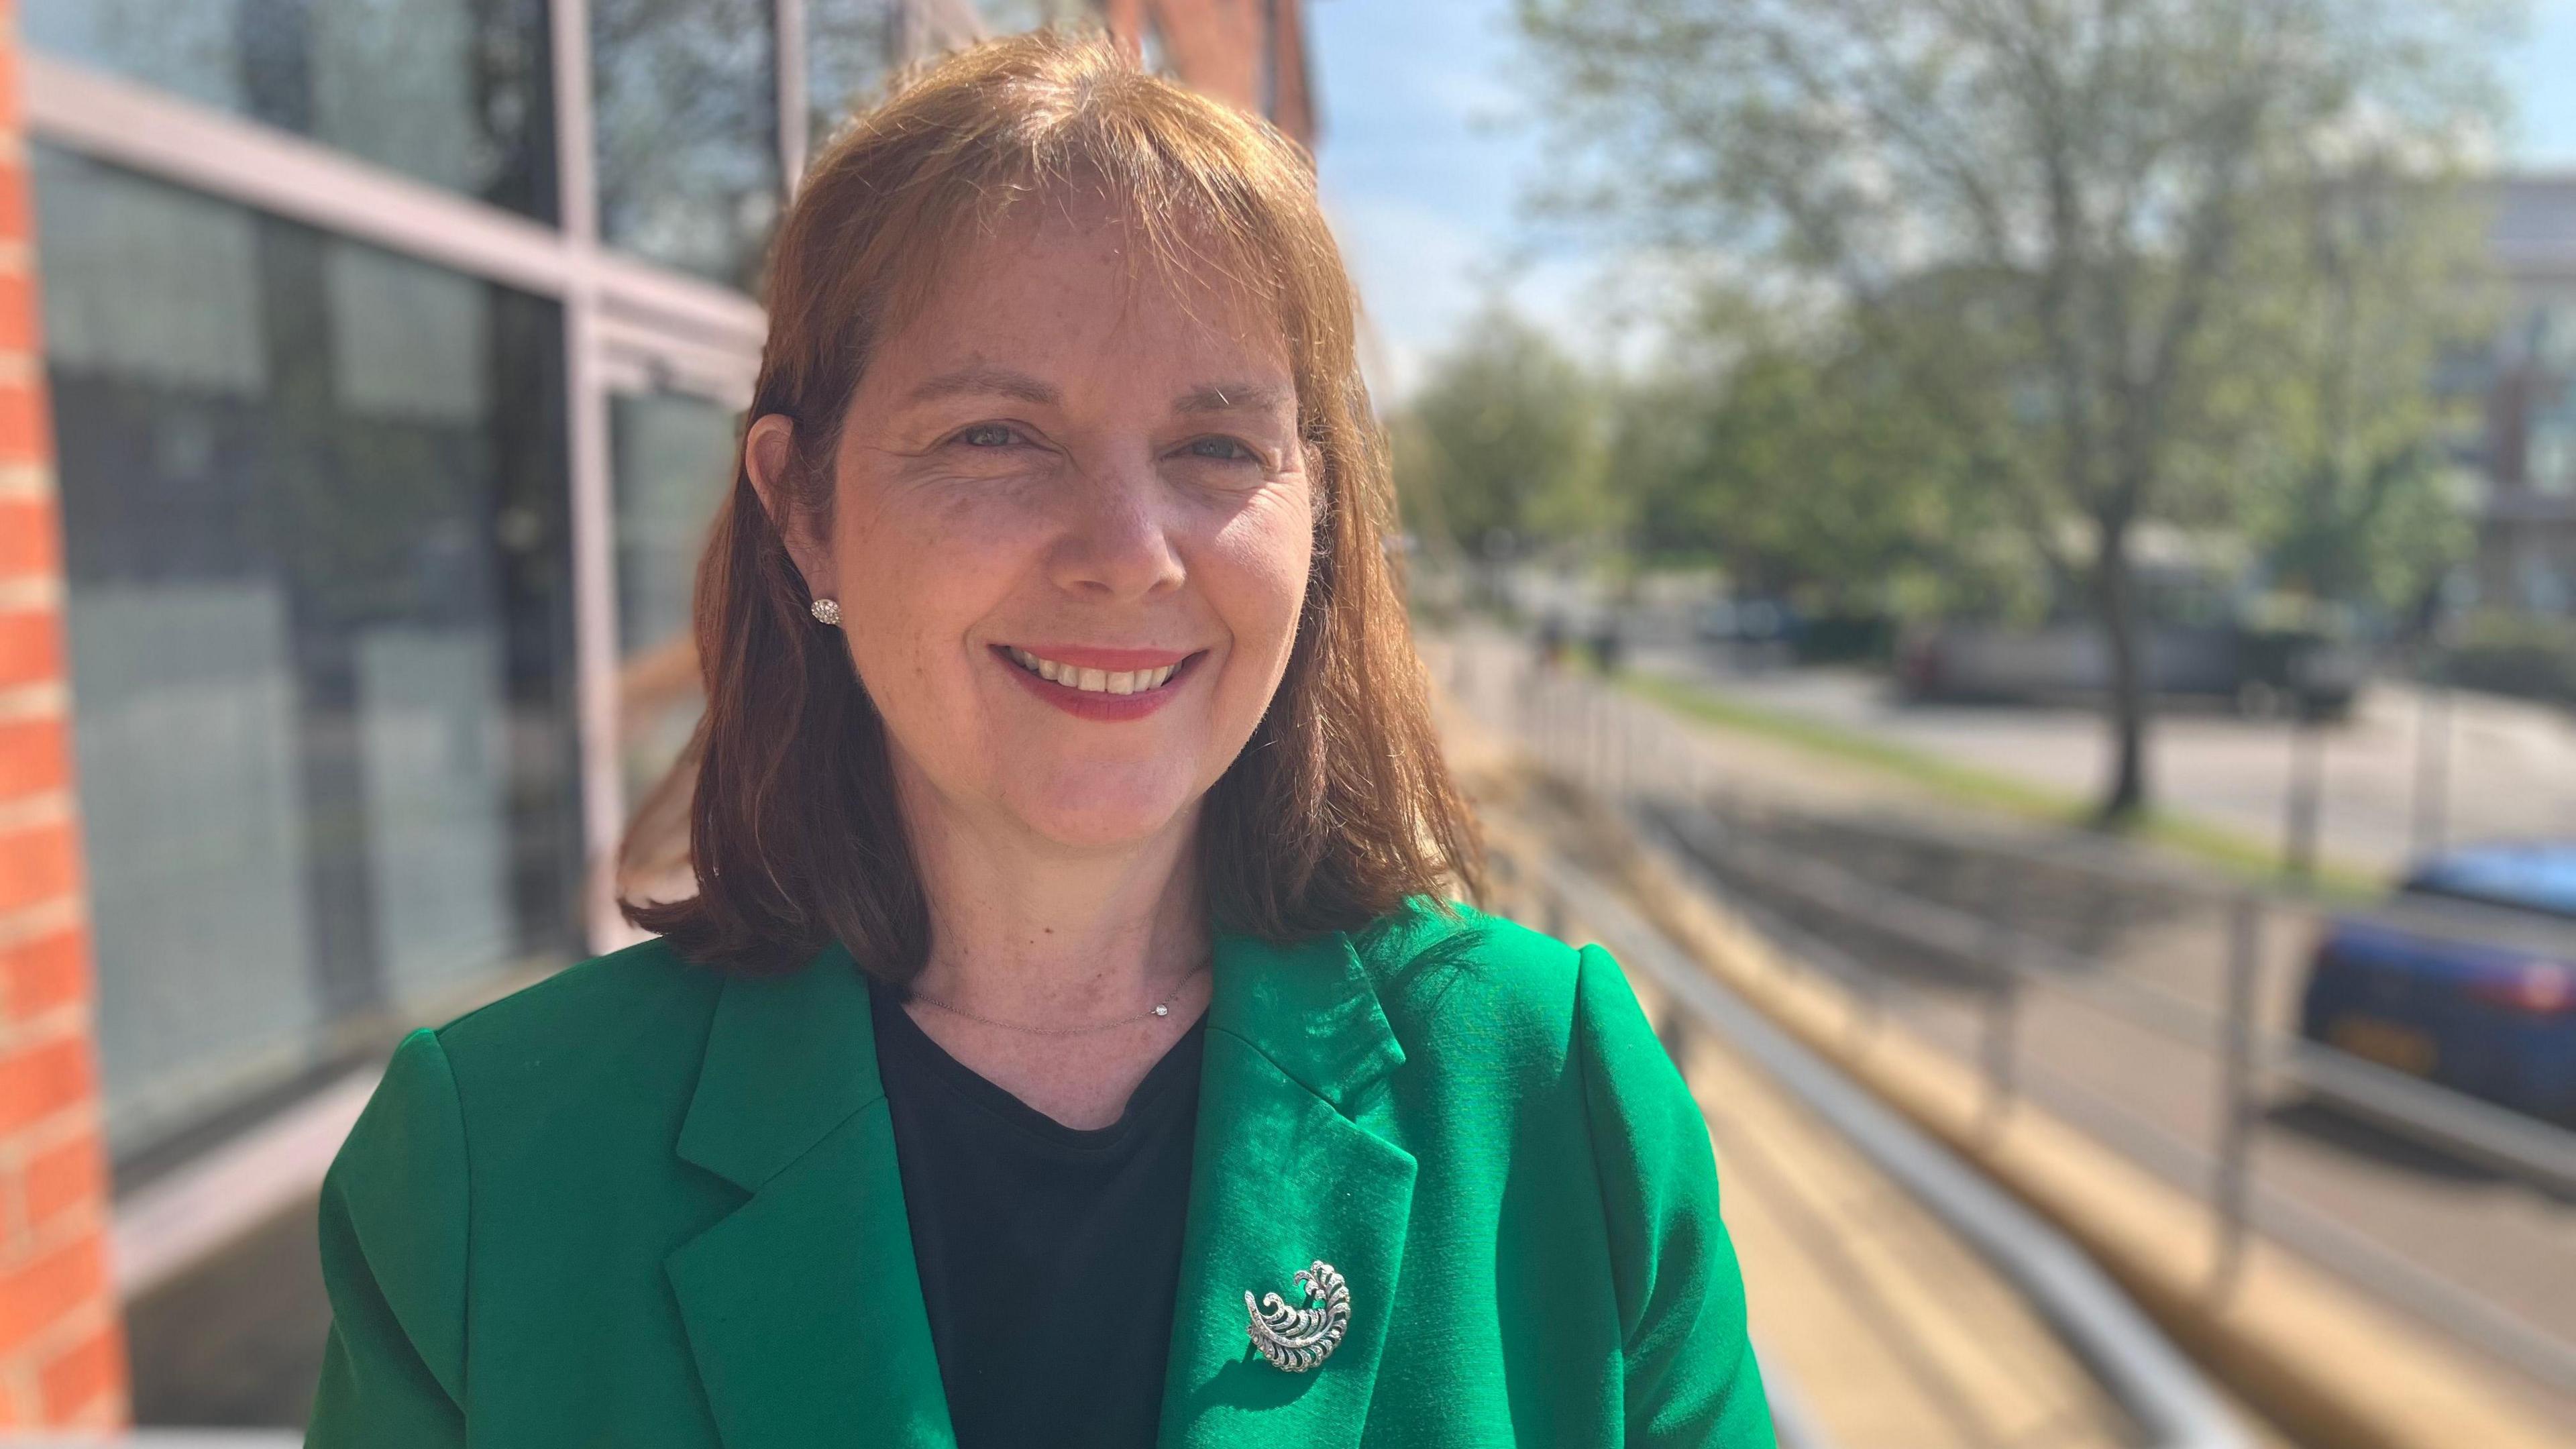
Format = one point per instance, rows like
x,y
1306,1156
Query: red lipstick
x,y
1093,704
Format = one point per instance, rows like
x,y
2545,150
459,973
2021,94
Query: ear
x,y
768,458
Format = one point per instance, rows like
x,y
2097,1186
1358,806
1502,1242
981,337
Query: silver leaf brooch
x,y
1296,1339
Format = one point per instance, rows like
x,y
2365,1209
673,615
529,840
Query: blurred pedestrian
x,y
1607,644
1551,640
1069,1040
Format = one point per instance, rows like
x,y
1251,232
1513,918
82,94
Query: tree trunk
x,y
2123,635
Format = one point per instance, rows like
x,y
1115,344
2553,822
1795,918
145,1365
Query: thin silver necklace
x,y
1160,1008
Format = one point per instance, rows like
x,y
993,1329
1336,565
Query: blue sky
x,y
1423,164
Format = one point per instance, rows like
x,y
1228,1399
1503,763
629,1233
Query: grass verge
x,y
2229,850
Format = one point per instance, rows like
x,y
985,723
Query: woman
x,y
1067,1041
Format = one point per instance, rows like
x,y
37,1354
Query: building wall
x,y
62,1352
1225,47
2527,530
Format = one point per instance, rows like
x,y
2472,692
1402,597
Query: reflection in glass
x,y
686,104
672,457
1005,17
319,609
851,49
454,92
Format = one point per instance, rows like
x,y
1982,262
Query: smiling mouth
x,y
1096,681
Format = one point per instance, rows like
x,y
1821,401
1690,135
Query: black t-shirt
x,y
1049,1256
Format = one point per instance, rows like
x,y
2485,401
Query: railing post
x,y
2236,1093
2003,997
1588,758
2305,802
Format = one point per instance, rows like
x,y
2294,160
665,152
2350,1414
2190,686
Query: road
x,y
2511,764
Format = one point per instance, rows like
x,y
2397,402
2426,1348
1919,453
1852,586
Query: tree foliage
x,y
2079,193
1794,453
1502,447
2352,499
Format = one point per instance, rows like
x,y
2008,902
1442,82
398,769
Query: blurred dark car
x,y
2258,672
2469,982
1750,620
1749,633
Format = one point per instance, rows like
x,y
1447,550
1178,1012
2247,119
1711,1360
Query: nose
x,y
1117,539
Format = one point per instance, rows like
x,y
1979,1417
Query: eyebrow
x,y
982,378
1232,397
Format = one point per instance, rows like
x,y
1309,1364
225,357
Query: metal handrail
x,y
1954,931
2436,1116
2136,1365
1570,726
2123,866
1793,1424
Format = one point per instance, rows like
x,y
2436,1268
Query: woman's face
x,y
1071,534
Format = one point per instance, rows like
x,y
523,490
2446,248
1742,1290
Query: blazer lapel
x,y
803,1306
1288,1169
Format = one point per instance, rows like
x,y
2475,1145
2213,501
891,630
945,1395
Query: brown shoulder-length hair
x,y
1340,807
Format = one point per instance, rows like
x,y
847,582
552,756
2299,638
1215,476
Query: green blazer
x,y
652,1205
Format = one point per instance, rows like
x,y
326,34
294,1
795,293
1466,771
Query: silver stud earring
x,y
827,611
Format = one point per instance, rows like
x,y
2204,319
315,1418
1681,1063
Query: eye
x,y
1223,450
989,435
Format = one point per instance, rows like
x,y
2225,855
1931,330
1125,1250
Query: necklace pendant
x,y
1162,1011
1297,1339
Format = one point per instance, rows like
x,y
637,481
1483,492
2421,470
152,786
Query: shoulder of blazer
x,y
1447,969
608,1026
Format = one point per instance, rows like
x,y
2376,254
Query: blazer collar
x,y
803,1306
1309,1008
788,1058
1290,1168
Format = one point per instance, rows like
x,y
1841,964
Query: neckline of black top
x,y
1179,1062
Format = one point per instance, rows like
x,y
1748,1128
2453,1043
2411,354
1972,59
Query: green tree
x,y
1502,447
2382,282
2095,168
1797,454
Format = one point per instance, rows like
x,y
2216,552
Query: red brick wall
x,y
62,1348
1218,47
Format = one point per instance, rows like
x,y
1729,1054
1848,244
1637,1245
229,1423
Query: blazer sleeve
x,y
393,1239
1690,1376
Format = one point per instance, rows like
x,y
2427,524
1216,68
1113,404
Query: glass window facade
x,y
1002,17
673,464
685,109
1152,52
319,497
457,93
320,615
851,49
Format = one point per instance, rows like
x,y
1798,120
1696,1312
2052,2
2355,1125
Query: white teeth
x,y
1095,681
